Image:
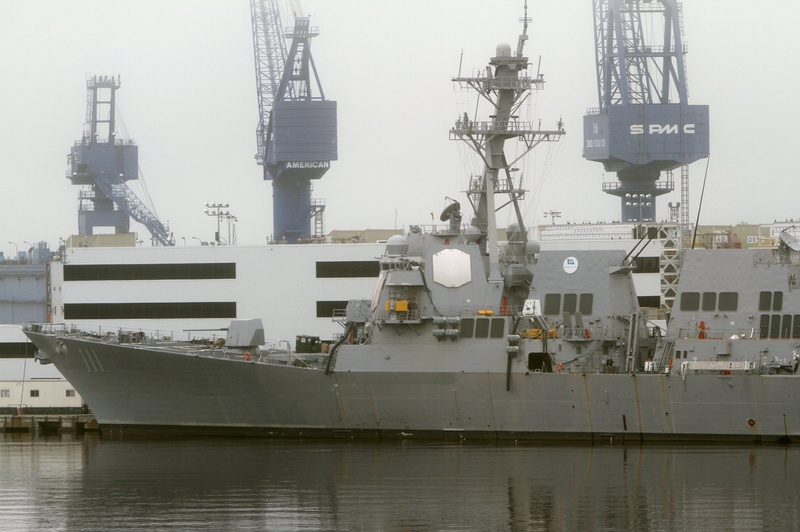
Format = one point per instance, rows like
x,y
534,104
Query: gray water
x,y
86,483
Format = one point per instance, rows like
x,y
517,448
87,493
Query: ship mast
x,y
505,85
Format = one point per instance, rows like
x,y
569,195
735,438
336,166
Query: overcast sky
x,y
188,99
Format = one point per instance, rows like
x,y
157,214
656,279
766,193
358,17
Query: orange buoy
x,y
247,356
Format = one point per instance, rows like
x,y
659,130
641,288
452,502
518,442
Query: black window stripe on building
x,y
17,349
352,268
149,272
129,311
325,308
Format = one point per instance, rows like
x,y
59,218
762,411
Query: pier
x,y
48,423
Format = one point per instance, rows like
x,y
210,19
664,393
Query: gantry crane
x,y
644,124
105,162
296,132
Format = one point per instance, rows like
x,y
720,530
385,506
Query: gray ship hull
x,y
140,391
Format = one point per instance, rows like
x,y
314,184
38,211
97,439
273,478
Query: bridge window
x,y
775,326
552,304
586,303
764,326
786,326
728,301
498,328
570,302
777,301
770,301
709,301
467,327
481,327
765,301
690,301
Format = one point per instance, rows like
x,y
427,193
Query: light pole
x,y
215,209
553,215
16,251
29,255
641,201
231,218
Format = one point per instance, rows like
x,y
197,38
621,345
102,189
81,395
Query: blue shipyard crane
x,y
296,133
644,124
104,163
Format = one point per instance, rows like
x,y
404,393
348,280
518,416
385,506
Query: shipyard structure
x,y
296,133
644,124
102,164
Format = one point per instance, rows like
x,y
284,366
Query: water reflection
x,y
91,484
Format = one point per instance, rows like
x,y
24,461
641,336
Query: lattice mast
x,y
505,84
296,134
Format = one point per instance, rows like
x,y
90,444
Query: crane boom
x,y
115,188
269,49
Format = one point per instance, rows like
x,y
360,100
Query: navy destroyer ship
x,y
470,337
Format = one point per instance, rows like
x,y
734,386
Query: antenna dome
x,y
503,50
396,245
472,234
